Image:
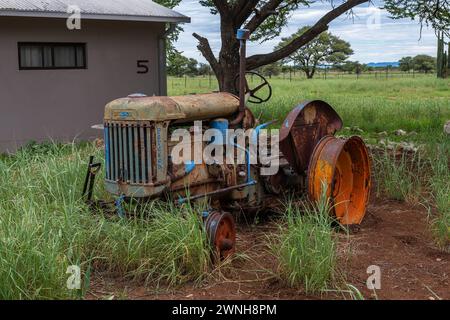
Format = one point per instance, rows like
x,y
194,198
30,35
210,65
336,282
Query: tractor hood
x,y
179,109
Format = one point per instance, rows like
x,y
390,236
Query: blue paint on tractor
x,y
222,126
159,149
205,214
189,166
182,200
249,178
124,114
107,160
119,206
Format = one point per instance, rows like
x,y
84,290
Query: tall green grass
x,y
306,247
400,175
440,189
46,227
419,178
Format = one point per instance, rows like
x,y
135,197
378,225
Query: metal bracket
x,y
88,188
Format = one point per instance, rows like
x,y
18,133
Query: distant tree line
x,y
325,53
420,63
179,66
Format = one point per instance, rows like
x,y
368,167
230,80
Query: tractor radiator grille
x,y
128,152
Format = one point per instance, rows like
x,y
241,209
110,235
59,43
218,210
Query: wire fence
x,y
210,82
376,74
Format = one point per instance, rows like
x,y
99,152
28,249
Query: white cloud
x,y
388,41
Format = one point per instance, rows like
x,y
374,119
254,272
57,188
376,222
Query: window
x,y
38,56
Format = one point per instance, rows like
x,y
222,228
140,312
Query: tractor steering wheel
x,y
253,98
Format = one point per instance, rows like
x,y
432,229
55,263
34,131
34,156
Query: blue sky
x,y
373,35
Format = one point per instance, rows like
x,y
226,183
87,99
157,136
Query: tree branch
x,y
257,61
266,11
222,6
205,49
243,9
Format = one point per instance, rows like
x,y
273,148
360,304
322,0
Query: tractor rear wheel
x,y
343,168
221,232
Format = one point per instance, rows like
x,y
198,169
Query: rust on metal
x,y
343,168
243,35
180,109
139,162
221,230
303,129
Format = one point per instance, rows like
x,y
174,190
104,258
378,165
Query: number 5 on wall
x,y
142,66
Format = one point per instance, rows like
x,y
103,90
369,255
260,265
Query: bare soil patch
x,y
393,236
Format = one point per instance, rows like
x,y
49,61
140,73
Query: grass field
x,y
419,104
45,227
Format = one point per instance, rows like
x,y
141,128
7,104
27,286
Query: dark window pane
x,y
47,51
64,57
80,57
31,56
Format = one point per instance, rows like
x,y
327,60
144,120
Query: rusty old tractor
x,y
139,164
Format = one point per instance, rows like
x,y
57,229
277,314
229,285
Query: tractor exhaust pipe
x,y
242,35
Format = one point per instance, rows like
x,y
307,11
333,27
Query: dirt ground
x,y
393,236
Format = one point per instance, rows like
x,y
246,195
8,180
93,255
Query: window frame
x,y
74,45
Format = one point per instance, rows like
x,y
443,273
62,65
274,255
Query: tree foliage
x,y
433,13
173,37
406,63
179,65
424,63
324,49
204,69
352,67
270,70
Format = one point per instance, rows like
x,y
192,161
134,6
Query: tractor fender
x,y
302,130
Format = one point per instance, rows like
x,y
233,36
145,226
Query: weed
x,y
305,247
46,227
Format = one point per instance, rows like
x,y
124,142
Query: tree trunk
x,y
309,72
228,58
313,71
227,77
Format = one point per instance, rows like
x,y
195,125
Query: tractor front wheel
x,y
221,231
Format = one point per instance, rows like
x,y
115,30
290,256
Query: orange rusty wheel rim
x,y
343,167
221,231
